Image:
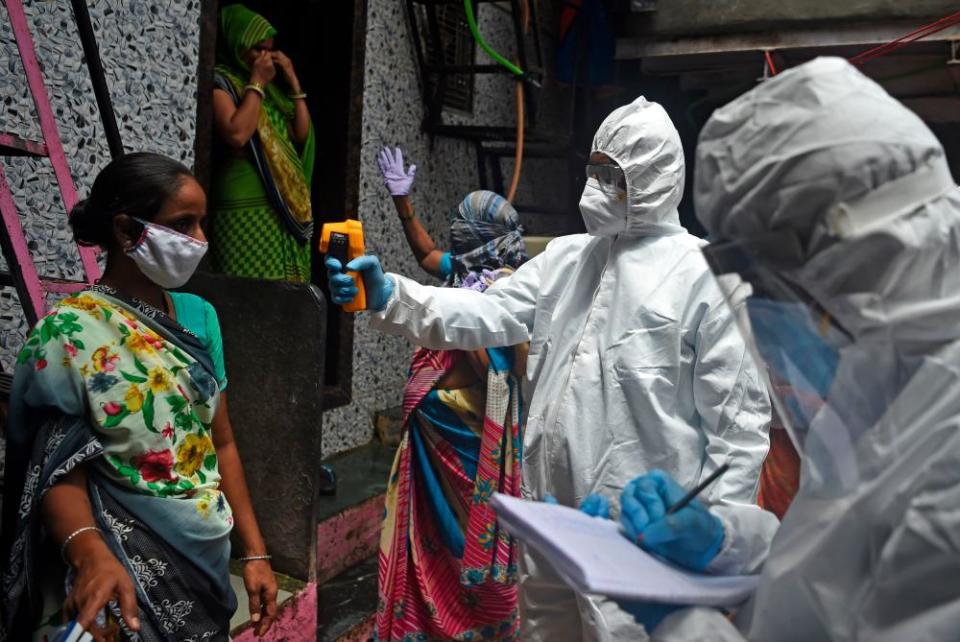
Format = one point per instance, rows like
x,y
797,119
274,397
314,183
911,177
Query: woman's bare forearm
x,y
233,484
301,122
418,238
236,124
66,509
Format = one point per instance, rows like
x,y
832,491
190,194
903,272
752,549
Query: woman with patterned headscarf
x,y
260,198
446,570
485,232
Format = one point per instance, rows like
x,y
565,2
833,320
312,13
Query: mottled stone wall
x,y
149,50
542,180
392,114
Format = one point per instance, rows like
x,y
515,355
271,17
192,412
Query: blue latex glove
x,y
596,505
691,537
343,291
649,614
550,499
398,180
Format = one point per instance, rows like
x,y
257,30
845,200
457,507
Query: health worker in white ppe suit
x,y
836,204
635,359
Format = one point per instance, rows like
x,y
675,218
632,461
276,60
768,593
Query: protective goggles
x,y
610,178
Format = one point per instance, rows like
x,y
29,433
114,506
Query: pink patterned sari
x,y
447,571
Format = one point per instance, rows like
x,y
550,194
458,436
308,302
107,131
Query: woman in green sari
x,y
262,217
123,481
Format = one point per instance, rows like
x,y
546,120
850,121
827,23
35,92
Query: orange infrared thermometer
x,y
344,242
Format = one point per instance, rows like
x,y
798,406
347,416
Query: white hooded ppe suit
x,y
870,547
635,363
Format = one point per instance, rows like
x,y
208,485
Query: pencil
x,y
689,497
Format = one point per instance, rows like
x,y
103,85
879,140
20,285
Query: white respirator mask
x,y
604,211
166,257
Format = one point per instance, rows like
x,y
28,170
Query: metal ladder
x,y
22,272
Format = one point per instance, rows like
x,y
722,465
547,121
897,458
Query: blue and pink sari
x,y
447,570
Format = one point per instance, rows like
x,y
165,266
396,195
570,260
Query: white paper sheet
x,y
595,557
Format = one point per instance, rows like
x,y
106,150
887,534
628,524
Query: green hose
x,y
472,21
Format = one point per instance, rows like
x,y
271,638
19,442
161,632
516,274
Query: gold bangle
x,y
257,87
301,96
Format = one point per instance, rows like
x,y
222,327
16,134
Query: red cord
x,y
772,67
903,41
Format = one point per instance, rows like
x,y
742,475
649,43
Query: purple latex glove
x,y
398,181
479,282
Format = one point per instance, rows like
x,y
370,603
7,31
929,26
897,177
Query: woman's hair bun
x,y
78,209
88,229
135,184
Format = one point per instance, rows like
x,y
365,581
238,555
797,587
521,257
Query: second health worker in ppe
x,y
836,204
635,361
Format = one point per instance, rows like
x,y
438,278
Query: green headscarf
x,y
241,29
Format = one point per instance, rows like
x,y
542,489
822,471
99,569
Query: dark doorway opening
x,y
326,41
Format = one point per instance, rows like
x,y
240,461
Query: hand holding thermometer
x,y
344,242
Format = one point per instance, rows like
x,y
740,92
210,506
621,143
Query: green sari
x,y
262,218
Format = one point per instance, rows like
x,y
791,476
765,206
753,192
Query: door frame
x,y
338,386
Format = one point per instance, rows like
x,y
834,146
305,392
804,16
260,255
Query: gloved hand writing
x,y
596,505
398,181
691,537
378,286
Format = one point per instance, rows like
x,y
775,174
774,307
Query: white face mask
x,y
604,214
166,257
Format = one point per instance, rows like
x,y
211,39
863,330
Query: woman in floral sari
x,y
262,217
126,478
447,572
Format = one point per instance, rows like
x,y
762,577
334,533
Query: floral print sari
x,y
121,388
